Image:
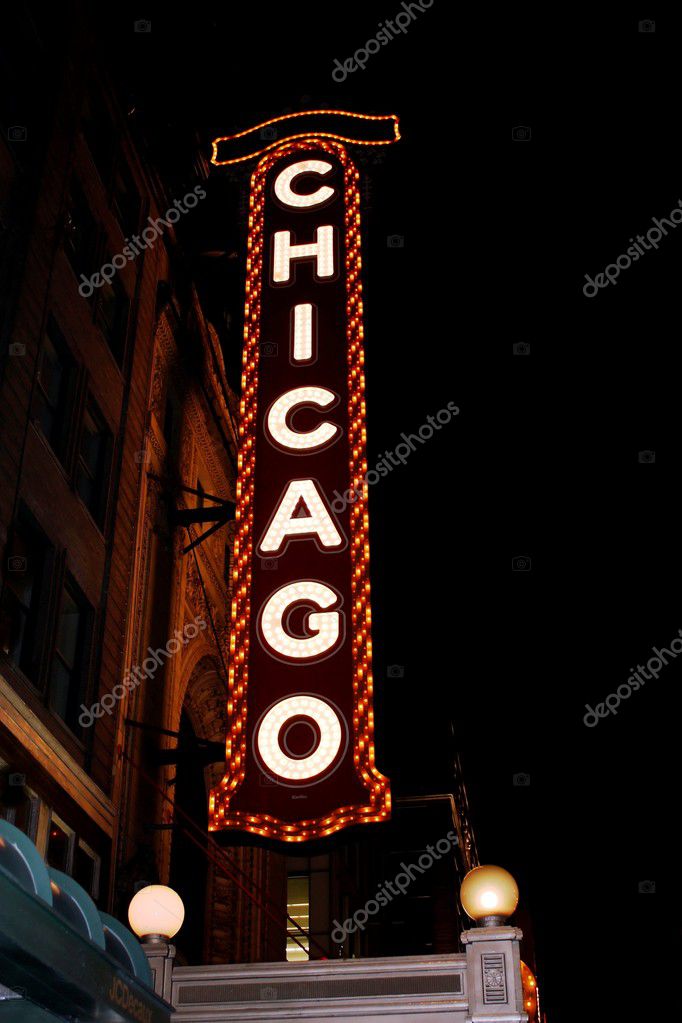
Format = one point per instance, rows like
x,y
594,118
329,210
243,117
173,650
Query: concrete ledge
x,y
404,989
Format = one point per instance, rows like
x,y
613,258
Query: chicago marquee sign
x,y
300,746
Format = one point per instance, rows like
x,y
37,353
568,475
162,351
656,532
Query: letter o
x,y
267,732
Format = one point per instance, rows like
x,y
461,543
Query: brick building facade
x,y
116,416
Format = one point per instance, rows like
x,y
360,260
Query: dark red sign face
x,y
300,749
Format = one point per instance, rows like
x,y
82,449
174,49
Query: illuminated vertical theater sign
x,y
300,743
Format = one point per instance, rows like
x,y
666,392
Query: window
x,y
18,804
94,461
98,131
80,232
60,844
171,422
86,867
69,668
55,390
29,564
111,316
125,199
298,908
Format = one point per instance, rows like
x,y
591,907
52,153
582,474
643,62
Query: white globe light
x,y
156,910
489,894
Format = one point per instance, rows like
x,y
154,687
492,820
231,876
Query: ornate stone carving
x,y
494,980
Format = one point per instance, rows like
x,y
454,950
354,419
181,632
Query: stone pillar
x,y
494,975
161,957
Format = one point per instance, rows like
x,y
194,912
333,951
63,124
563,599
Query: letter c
x,y
294,200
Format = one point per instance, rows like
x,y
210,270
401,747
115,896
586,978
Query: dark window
x,y
55,390
99,136
59,843
18,805
94,460
80,232
29,562
85,870
113,306
171,422
69,669
125,199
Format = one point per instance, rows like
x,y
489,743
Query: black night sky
x,y
543,461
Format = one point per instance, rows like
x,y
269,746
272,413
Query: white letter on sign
x,y
325,626
284,180
282,409
321,250
286,522
274,723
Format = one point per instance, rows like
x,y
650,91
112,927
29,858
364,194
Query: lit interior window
x,y
298,908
